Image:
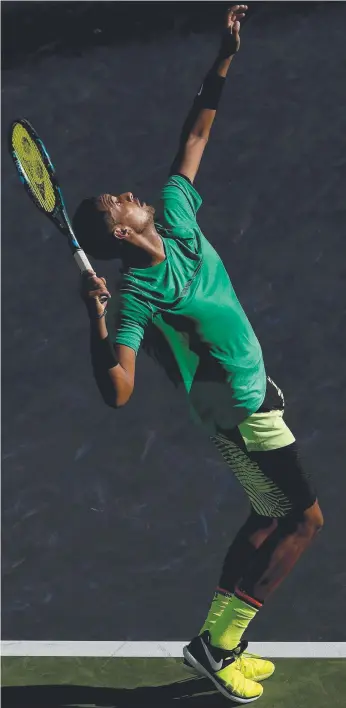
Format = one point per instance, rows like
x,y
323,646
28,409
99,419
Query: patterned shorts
x,y
263,454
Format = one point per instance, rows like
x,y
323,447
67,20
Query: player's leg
x,y
278,487
223,645
239,555
233,447
242,551
285,503
271,564
251,536
279,554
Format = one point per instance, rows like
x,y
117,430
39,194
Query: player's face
x,y
128,210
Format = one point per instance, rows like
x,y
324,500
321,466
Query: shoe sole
x,y
225,692
192,670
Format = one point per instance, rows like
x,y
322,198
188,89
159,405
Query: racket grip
x,y
82,261
84,264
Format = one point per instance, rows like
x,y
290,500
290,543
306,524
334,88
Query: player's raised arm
x,y
197,126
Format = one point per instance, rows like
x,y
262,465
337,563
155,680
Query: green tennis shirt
x,y
189,297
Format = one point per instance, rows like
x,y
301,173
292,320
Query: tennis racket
x,y
37,174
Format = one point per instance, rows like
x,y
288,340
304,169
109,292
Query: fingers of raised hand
x,y
235,13
235,9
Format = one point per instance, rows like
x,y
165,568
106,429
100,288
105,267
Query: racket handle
x,y
84,264
82,261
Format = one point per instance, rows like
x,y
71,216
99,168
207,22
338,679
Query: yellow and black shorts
x,y
263,454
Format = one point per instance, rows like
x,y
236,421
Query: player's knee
x,y
303,523
310,522
313,519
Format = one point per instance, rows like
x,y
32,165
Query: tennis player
x,y
178,301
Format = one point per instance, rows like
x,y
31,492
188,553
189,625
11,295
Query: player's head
x,y
102,224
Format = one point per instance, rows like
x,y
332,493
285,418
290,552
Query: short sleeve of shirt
x,y
180,202
126,325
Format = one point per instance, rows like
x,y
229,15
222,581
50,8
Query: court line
x,y
286,650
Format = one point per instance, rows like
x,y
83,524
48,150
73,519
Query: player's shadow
x,y
196,693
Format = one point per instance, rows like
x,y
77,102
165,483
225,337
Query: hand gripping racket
x,y
37,174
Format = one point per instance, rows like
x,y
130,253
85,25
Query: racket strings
x,y
34,170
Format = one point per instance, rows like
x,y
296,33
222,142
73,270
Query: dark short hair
x,y
93,232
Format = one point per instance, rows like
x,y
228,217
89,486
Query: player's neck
x,y
146,252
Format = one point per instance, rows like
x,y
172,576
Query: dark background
x,y
115,523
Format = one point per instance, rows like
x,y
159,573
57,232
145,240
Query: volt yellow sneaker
x,y
221,668
254,667
251,666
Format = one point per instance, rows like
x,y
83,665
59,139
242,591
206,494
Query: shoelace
x,y
236,654
241,658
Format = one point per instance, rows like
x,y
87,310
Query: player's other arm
x,y
197,126
113,366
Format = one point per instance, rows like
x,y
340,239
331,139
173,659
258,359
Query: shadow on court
x,y
297,683
195,692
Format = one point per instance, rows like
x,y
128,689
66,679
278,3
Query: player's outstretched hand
x,y
92,290
230,38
